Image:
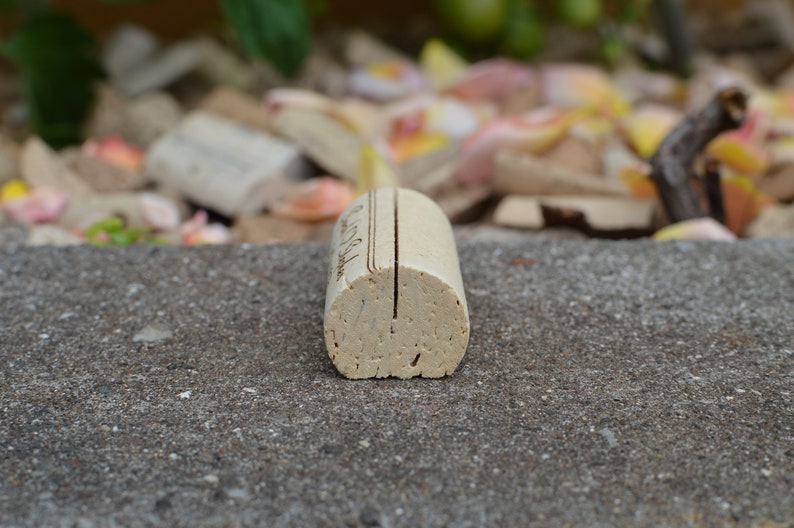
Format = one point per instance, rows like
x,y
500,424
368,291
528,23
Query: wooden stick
x,y
672,162
711,183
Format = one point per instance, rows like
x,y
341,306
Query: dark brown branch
x,y
672,162
711,183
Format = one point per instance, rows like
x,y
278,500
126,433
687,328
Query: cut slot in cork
x,y
395,304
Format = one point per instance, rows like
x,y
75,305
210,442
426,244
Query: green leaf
x,y
111,231
122,238
111,223
59,68
274,29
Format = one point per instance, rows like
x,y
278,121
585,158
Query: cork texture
x,y
223,165
395,304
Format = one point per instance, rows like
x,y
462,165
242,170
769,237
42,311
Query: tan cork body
x,y
395,304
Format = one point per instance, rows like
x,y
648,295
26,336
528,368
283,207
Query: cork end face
x,y
424,333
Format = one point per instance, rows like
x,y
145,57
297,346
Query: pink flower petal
x,y
198,231
695,229
425,114
42,204
317,199
114,150
197,221
533,132
387,81
210,234
159,212
491,80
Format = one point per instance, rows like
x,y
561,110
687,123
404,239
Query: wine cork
x,y
395,304
224,165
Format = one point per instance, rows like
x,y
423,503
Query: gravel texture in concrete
x,y
605,384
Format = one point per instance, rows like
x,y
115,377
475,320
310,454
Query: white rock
x,y
153,332
238,494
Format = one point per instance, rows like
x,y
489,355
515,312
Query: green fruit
x,y
524,34
580,13
474,21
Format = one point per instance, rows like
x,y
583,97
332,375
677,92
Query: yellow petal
x,y
770,102
741,155
580,86
636,177
387,70
742,201
646,127
593,128
440,64
374,171
695,229
407,147
13,189
775,109
741,149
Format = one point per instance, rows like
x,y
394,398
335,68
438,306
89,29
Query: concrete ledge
x,y
606,384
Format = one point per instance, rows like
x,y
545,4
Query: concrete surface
x,y
606,384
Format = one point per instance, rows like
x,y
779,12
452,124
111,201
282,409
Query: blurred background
x,y
103,83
